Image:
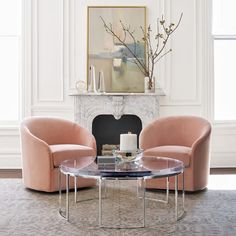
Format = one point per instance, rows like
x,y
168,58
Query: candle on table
x,y
128,142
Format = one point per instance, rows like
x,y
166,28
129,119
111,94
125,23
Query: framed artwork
x,y
110,66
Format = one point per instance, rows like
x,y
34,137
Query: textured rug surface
x,y
27,212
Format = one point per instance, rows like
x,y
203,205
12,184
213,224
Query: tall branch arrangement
x,y
154,51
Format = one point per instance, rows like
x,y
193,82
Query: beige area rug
x,y
26,212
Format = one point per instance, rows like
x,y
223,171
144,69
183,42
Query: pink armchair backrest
x,y
174,130
56,131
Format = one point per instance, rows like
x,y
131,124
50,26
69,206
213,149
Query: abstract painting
x,y
107,56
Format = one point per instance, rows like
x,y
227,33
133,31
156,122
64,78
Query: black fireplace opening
x,y
106,130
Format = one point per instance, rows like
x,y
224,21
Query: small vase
x,y
147,87
80,86
92,85
101,82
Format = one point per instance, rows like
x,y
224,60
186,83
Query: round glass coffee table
x,y
150,168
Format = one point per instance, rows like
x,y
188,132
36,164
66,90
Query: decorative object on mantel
x,y
153,52
80,86
92,85
101,82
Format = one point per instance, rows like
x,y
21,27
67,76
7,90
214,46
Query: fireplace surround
x,y
88,106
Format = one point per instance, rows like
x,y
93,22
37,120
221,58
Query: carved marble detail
x,y
88,106
118,106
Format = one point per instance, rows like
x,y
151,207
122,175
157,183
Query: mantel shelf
x,y
159,93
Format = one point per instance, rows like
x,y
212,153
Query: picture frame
x,y
110,67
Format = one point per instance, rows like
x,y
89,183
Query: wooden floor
x,y
17,173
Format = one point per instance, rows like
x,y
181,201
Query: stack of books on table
x,y
106,162
108,148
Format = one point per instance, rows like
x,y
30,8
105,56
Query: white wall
x,y
56,58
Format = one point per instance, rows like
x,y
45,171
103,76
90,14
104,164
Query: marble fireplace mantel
x,y
89,105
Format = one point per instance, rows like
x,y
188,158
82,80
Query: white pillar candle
x,y
128,142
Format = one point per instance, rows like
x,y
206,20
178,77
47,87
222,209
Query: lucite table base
x,y
101,184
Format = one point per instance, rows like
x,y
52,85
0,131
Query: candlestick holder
x,y
127,160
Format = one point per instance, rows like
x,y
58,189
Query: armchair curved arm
x,y
200,160
36,158
205,132
201,140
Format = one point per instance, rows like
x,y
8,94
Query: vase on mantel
x,y
149,85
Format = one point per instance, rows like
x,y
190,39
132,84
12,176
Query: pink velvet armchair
x,y
185,138
45,143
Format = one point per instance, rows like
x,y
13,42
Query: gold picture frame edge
x,y
101,6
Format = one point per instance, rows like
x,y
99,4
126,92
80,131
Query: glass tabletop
x,y
149,167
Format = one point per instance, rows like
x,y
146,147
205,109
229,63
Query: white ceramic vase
x,y
92,85
101,82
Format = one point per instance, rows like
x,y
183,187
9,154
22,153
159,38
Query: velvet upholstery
x,y
45,143
185,138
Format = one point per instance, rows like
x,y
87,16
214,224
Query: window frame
x,y
25,70
213,37
12,123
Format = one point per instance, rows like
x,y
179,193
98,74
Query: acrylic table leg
x,y
176,197
59,187
75,180
105,188
144,201
67,196
100,203
167,189
139,187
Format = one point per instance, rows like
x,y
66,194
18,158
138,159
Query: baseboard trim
x,y
223,171
10,173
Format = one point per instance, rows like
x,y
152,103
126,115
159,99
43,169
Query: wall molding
x,y
52,108
224,129
222,159
71,13
10,160
35,52
26,77
207,61
9,151
35,48
9,131
169,100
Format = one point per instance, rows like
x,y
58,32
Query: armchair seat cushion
x,y
61,152
181,153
